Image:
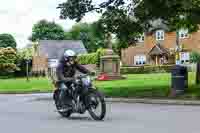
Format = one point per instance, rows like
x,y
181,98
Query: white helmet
x,y
69,53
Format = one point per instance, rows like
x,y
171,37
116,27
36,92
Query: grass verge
x,y
135,85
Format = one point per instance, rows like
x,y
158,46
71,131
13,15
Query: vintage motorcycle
x,y
83,97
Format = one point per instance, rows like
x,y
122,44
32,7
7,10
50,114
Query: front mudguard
x,y
89,91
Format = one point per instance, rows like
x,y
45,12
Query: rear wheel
x,y
59,105
65,113
96,105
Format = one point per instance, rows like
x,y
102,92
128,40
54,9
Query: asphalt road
x,y
20,114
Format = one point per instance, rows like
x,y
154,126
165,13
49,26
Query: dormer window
x,y
160,35
183,33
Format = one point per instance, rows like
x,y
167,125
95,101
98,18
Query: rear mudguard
x,y
56,94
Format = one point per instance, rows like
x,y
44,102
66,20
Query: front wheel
x,y
96,105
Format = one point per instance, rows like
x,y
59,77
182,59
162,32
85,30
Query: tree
x,y
90,35
7,40
116,16
44,30
128,18
22,56
7,61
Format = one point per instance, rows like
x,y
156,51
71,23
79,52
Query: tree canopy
x,y
128,18
90,35
44,30
7,40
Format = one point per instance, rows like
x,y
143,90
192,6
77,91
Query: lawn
x,y
141,85
135,85
20,85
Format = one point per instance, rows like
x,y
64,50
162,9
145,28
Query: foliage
x,y
7,61
195,57
128,18
100,52
44,30
175,13
7,40
25,53
90,35
118,46
92,58
146,69
88,59
22,56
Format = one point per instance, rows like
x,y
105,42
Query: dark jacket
x,y
66,73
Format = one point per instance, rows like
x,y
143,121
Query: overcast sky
x,y
18,16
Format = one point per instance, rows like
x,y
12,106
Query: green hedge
x,y
91,58
87,59
146,69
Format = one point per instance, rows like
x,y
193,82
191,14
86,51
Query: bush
x,y
195,57
21,64
92,58
22,57
146,69
7,55
7,61
87,59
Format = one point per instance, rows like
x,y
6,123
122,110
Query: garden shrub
x,y
7,61
195,57
87,59
91,58
22,56
146,69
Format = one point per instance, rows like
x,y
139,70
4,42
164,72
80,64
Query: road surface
x,y
20,114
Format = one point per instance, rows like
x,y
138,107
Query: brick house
x,y
158,47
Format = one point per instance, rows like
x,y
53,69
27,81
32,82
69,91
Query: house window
x,y
53,62
184,57
140,38
160,35
139,59
183,33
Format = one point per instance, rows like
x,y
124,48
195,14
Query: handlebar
x,y
77,77
82,76
85,75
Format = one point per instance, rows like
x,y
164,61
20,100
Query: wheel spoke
x,y
96,105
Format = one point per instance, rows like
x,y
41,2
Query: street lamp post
x,y
27,65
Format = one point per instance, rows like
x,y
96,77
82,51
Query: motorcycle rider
x,y
65,72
